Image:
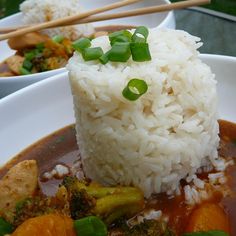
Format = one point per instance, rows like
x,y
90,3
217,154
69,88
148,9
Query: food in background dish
x,y
34,12
148,160
50,49
35,53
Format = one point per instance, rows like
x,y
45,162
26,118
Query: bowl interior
x,y
44,107
151,20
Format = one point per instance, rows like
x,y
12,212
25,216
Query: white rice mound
x,y
159,139
35,11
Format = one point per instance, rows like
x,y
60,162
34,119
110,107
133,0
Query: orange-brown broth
x,y
61,147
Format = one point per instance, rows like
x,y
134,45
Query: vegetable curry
x,y
36,52
114,205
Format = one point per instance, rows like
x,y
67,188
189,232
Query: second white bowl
x,y
11,84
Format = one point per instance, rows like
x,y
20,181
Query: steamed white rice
x,y
35,11
161,138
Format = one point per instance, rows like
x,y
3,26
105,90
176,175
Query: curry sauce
x,y
61,148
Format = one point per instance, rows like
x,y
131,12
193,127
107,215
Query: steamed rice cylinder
x,y
34,11
161,138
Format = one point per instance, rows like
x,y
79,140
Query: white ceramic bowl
x,y
42,108
11,84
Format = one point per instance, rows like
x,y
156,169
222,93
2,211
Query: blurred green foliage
x,y
226,6
8,7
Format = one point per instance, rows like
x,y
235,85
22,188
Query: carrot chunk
x,y
46,225
208,216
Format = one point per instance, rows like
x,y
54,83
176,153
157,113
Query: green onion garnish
x,y
115,35
40,46
58,38
104,58
5,227
27,64
90,226
29,55
81,44
140,34
32,54
134,89
120,36
140,52
120,39
24,71
92,53
120,52
123,43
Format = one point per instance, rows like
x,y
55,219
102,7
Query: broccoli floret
x,y
31,207
108,203
70,182
81,204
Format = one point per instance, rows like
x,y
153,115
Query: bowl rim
x,y
55,77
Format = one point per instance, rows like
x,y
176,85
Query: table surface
x,y
217,34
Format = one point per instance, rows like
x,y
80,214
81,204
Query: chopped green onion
x,y
134,89
58,38
5,227
140,34
138,39
29,55
27,65
120,39
115,35
127,34
140,52
90,226
40,46
92,53
104,58
120,36
24,71
81,44
120,52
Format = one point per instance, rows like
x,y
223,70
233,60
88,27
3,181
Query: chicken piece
x,y
14,63
27,41
6,74
20,182
5,70
51,224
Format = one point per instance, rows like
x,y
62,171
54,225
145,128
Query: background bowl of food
x,y
137,137
25,60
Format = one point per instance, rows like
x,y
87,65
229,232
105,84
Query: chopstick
x,y
136,12
143,11
66,20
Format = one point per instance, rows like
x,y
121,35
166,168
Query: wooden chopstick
x,y
66,20
141,11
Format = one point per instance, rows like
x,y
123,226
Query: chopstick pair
x,y
88,16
